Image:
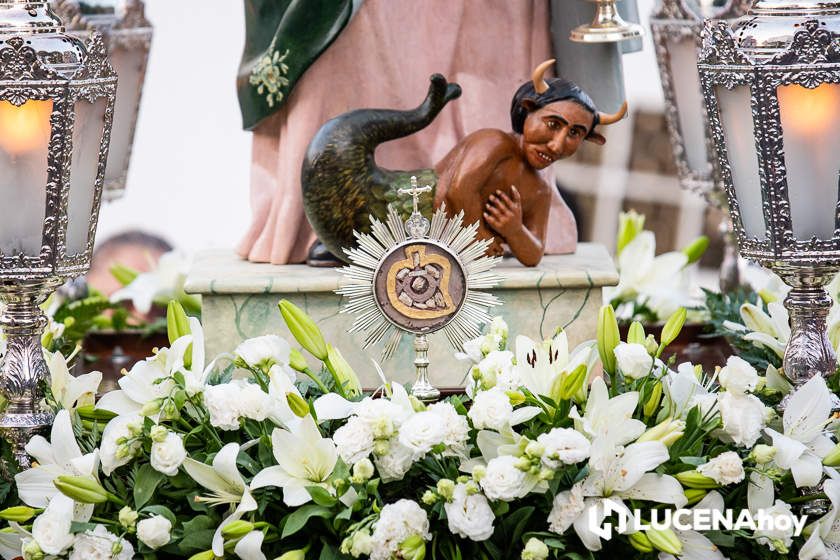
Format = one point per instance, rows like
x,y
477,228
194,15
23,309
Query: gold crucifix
x,y
415,191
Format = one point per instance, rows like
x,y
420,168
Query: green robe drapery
x,y
282,39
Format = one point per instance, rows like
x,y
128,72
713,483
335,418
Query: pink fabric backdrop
x,y
384,59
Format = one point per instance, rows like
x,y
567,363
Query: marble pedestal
x,y
240,301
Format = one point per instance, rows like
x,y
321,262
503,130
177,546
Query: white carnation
x,y
253,402
742,416
394,464
503,481
154,532
222,403
726,468
491,410
738,376
354,440
567,507
168,455
633,360
456,427
497,369
397,522
98,544
422,432
563,446
114,454
263,351
382,416
469,516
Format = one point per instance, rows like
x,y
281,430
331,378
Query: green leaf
x,y
145,484
161,510
298,519
321,496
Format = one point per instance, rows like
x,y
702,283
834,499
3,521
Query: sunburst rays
x,y
460,240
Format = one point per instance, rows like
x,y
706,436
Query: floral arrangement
x,y
257,455
651,287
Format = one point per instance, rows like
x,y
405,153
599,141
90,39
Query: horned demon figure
x,y
492,176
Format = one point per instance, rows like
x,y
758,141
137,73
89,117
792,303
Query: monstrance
x,y
419,277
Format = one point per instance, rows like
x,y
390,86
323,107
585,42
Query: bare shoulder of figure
x,y
490,144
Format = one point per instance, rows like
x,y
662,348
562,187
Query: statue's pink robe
x,y
384,59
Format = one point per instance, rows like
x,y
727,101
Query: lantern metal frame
x,y
812,58
65,78
128,31
674,21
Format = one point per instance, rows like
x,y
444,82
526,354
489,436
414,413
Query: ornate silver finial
x,y
416,226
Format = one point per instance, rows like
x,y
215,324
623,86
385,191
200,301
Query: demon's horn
x,y
606,119
538,77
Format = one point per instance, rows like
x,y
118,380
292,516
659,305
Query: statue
x,y
490,175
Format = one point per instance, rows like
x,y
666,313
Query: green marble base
x,y
240,301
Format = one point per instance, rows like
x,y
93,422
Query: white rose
x,y
563,446
472,351
469,516
491,410
777,539
422,432
738,376
742,416
456,427
502,480
397,522
98,545
354,440
154,532
633,360
113,454
51,529
726,468
263,351
254,403
567,507
168,455
394,464
222,403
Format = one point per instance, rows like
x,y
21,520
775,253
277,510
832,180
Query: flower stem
x,y
314,377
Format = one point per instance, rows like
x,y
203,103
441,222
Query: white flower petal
x,y
250,546
663,489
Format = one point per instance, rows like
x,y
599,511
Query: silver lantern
x,y
56,110
676,26
771,83
128,37
607,26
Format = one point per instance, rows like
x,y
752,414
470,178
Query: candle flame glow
x,y
26,128
809,110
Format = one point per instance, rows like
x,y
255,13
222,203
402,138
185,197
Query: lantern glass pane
x,y
130,67
24,154
811,132
87,138
738,131
686,80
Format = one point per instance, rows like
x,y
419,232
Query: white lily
x,y
263,351
803,445
59,456
249,547
683,391
539,363
70,391
660,282
304,458
622,474
824,542
11,541
147,381
608,420
333,406
226,486
771,329
166,281
695,546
